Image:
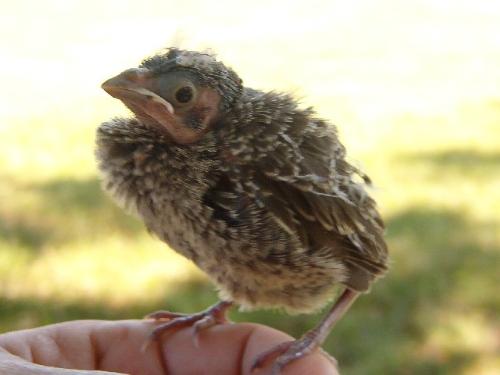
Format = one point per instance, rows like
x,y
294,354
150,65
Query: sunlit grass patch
x,y
114,270
466,335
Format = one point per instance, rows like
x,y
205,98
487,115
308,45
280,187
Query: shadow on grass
x,y
441,267
18,231
65,210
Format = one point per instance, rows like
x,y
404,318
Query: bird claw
x,y
285,353
332,360
206,322
215,314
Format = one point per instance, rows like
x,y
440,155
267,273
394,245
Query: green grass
x,y
419,113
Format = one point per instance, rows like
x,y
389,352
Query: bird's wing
x,y
296,170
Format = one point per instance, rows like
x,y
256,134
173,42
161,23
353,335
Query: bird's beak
x,y
134,88
127,78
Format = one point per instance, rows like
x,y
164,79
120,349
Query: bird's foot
x,y
290,351
215,314
287,352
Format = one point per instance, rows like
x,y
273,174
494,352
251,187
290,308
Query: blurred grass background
x,y
414,89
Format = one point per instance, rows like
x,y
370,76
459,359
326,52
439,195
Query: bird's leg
x,y
290,351
215,314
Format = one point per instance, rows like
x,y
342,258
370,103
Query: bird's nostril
x,y
135,74
131,73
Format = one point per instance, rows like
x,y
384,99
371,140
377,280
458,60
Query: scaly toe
x,y
164,315
285,353
298,349
172,324
204,323
215,314
270,354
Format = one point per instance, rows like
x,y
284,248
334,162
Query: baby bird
x,y
253,189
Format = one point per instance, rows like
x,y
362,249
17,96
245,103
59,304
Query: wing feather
x,y
297,171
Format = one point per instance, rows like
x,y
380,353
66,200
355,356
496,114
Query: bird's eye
x,y
184,94
178,89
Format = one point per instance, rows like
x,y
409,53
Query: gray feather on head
x,y
206,68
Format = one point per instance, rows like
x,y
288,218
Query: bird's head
x,y
180,94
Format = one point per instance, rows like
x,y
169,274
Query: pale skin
x,y
117,347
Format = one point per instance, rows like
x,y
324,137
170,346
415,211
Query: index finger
x,y
231,349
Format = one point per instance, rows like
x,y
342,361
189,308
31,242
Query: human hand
x,y
91,347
